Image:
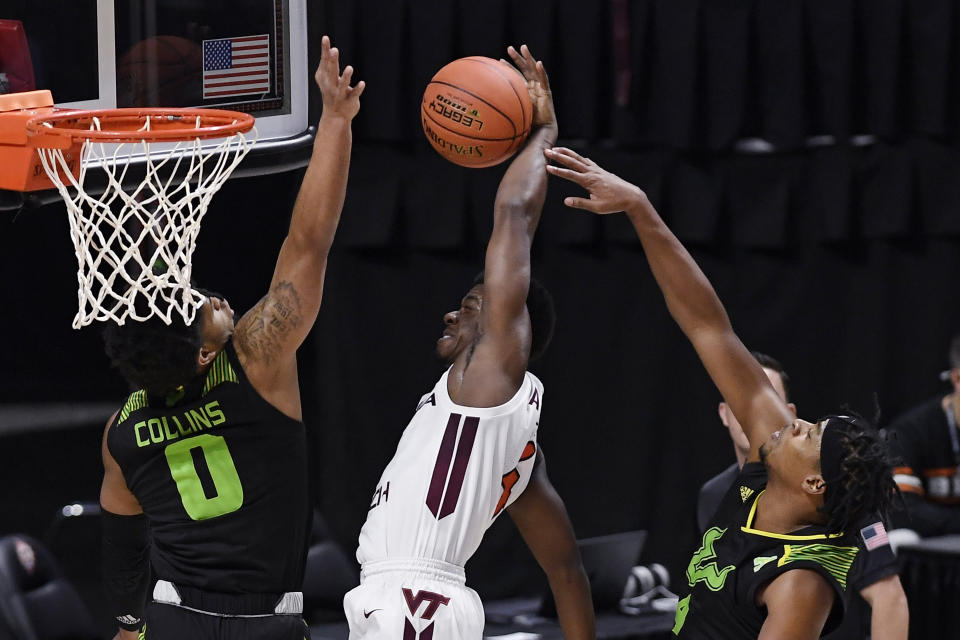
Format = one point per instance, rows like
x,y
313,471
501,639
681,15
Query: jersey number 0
x,y
211,452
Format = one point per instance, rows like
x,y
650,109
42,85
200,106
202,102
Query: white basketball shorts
x,y
413,599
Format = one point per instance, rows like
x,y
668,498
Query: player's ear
x,y
206,355
723,412
814,484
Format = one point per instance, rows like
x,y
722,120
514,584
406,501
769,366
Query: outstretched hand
x,y
538,85
339,98
609,193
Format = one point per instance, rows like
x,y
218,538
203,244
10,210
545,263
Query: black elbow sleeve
x,y
126,567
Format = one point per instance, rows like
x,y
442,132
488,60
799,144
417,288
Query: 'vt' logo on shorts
x,y
433,600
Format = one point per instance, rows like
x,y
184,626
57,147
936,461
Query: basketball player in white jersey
x,y
470,452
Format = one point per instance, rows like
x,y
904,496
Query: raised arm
x,y
267,336
690,298
505,346
542,520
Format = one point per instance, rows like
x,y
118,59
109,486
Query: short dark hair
x,y
774,365
152,355
543,316
866,484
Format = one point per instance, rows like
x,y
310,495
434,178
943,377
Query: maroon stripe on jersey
x,y
464,448
427,634
409,633
442,466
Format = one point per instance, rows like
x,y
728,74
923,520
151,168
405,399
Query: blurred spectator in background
x,y
927,447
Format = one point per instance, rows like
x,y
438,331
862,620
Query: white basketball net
x,y
134,249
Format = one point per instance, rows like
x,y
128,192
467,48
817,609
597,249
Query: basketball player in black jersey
x,y
205,465
773,563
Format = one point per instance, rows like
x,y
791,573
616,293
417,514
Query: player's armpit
x,y
267,338
270,331
542,519
798,603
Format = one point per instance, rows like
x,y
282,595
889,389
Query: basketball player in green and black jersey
x,y
774,559
205,471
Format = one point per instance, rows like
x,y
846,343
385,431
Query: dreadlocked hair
x,y
867,484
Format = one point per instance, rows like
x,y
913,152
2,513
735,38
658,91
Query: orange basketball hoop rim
x,y
29,122
135,125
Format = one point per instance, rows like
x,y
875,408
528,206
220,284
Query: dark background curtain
x,y
840,257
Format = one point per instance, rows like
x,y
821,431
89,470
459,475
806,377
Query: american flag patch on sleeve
x,y
874,536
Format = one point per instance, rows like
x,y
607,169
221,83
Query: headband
x,y
832,451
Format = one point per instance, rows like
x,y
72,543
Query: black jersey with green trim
x,y
734,560
222,478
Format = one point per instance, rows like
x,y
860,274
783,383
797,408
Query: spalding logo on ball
x,y
476,111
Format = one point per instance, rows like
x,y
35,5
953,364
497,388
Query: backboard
x,y
241,55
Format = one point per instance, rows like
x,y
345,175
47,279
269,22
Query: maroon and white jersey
x,y
455,470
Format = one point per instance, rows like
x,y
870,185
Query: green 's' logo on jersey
x,y
701,569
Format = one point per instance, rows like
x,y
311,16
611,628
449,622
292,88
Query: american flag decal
x,y
236,66
874,536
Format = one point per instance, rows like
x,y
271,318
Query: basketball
x,y
476,111
162,71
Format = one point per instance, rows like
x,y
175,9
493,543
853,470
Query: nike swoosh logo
x,y
366,614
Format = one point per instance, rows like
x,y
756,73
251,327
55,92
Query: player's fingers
x,y
542,76
331,66
357,91
323,69
581,161
567,157
518,60
347,75
566,174
333,63
581,203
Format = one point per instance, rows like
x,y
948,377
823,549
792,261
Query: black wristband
x,y
126,567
